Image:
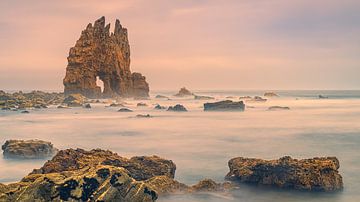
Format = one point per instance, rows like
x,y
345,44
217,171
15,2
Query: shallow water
x,y
201,143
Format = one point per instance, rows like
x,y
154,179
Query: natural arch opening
x,y
100,83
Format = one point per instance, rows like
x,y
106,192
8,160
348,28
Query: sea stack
x,y
104,55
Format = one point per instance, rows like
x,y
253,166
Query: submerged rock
x,y
99,53
316,174
226,105
141,104
25,112
159,107
177,108
257,99
143,116
270,94
201,97
273,108
183,92
323,97
116,105
28,149
245,97
161,97
125,110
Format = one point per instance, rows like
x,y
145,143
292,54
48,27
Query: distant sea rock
x,y
141,104
323,97
316,174
28,149
201,97
125,110
257,99
183,92
159,107
226,105
271,94
177,108
161,97
274,108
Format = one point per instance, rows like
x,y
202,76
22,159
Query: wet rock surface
x,y
177,108
28,149
99,53
226,105
74,100
316,174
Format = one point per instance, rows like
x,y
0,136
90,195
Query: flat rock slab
x,y
226,105
316,174
28,149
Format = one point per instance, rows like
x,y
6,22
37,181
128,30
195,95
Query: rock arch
x,y
99,53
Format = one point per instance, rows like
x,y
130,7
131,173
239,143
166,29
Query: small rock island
x,y
104,55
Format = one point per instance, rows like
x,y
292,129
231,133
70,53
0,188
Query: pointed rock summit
x,y
104,55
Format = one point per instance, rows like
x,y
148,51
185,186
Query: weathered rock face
x,y
316,174
98,175
100,54
28,149
139,167
226,105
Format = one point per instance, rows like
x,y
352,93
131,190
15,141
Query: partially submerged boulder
x,y
257,99
143,116
141,104
28,149
125,110
177,108
159,107
202,97
316,174
226,105
161,97
183,92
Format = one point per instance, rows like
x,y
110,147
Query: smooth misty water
x,y
201,143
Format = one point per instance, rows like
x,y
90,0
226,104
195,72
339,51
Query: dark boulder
x,y
226,105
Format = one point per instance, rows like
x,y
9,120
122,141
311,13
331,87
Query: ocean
x,y
201,143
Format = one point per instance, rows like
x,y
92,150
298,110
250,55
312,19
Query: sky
x,y
203,44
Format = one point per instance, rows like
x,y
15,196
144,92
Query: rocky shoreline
x,y
101,175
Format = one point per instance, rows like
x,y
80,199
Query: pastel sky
x,y
203,44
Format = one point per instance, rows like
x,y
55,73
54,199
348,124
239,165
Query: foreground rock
x,y
316,174
201,97
177,108
226,105
99,53
98,175
183,92
28,149
274,108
